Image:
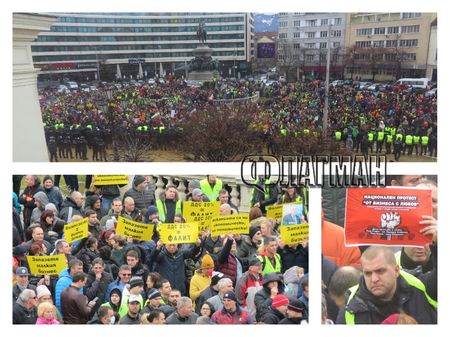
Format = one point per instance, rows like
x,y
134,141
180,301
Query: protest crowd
x,y
398,120
380,283
107,277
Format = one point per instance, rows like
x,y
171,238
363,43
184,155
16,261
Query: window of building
x,y
311,35
336,44
323,58
391,43
296,35
409,43
310,23
337,21
324,22
282,14
296,45
379,30
335,58
282,36
363,44
392,30
410,29
310,45
336,33
379,44
364,31
283,24
297,23
296,57
324,33
411,15
309,58
323,45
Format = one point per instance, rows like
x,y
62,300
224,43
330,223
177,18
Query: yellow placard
x,y
137,230
201,212
275,212
47,265
105,179
292,234
76,230
230,224
179,232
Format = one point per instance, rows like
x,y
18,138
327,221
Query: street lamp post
x,y
327,80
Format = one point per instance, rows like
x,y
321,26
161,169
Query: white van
x,y
421,83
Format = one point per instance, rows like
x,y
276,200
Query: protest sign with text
x,y
292,234
137,230
47,265
179,232
386,216
230,224
105,179
76,230
201,212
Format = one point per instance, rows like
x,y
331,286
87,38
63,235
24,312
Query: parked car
x,y
364,85
374,87
72,85
62,89
336,83
93,88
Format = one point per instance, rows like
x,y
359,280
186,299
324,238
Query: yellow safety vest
x,y
162,210
425,140
338,135
409,140
267,266
211,193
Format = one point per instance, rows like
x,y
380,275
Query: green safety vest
x,y
393,131
380,136
283,132
425,140
410,279
387,130
123,309
162,209
211,193
305,131
161,129
370,136
338,135
266,192
297,199
389,139
409,140
267,266
399,137
416,139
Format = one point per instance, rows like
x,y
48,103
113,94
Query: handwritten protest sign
x,y
137,230
201,212
275,212
47,265
292,234
179,232
105,179
76,230
386,216
230,224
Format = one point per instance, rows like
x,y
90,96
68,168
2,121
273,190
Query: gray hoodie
x,y
42,198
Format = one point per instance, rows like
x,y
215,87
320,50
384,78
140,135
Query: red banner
x,y
386,216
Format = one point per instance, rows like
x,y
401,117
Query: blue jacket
x,y
64,281
114,284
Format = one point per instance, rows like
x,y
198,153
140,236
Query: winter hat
x,y
92,199
230,296
153,293
20,250
133,298
50,206
197,191
151,210
254,230
138,180
110,225
296,305
279,300
216,277
136,281
194,184
392,319
47,178
254,261
22,271
207,262
42,290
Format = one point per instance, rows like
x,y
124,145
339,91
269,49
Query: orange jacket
x,y
333,246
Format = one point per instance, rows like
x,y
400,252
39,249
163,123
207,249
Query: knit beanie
x,y
279,300
253,231
42,290
138,180
207,262
136,281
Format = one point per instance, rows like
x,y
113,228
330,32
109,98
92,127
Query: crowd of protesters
x,y
379,284
113,279
395,120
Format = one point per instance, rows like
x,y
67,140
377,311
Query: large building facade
x,y
304,38
387,46
93,45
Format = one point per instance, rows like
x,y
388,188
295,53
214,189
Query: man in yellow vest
x,y
408,144
424,145
168,205
211,187
416,143
384,290
270,259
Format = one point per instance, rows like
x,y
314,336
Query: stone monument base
x,y
203,76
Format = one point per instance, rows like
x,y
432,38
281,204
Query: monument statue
x,y
201,33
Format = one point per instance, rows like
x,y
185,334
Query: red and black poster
x,y
386,216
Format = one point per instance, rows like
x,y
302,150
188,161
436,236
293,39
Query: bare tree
x,y
350,59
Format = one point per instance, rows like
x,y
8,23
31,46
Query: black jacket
x,y
272,316
69,207
259,196
294,257
22,315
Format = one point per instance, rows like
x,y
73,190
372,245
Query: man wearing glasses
x,y
24,310
121,281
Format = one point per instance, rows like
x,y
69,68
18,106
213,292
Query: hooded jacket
x,y
42,198
262,298
54,196
69,208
